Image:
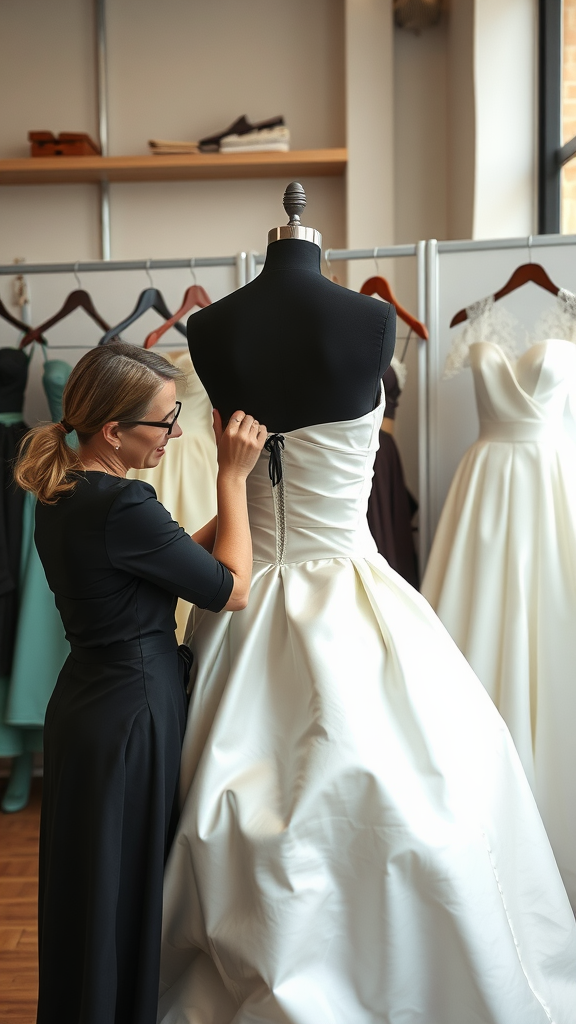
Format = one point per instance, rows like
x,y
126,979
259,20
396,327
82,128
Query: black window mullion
x,y
549,115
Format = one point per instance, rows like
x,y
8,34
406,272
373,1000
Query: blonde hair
x,y
113,382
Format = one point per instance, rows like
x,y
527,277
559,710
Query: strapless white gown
x,y
358,841
502,570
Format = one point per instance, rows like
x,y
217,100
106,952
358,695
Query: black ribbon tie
x,y
275,445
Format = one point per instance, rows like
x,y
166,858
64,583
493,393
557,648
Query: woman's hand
x,y
239,445
238,449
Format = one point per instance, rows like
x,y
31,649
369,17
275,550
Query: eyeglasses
x,y
165,424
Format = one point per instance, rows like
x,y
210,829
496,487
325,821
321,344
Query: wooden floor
x,y
18,902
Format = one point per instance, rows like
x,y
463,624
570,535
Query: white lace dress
x,y
502,570
358,843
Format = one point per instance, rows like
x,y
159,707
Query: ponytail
x,y
45,463
111,383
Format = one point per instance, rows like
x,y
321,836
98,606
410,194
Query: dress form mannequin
x,y
292,348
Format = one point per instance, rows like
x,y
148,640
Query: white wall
x,y
421,134
370,127
461,120
421,131
176,70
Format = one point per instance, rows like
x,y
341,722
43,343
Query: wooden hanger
x,y
527,272
150,298
78,299
195,295
19,324
379,286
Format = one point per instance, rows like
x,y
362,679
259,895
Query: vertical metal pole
x,y
240,269
103,123
423,479
432,323
251,267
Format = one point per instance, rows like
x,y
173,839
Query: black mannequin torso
x,y
292,348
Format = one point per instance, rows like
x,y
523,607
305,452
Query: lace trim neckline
x,y
489,321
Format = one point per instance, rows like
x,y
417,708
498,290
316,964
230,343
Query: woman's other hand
x,y
240,444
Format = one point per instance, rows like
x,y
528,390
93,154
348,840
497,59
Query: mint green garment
x,y
56,373
41,647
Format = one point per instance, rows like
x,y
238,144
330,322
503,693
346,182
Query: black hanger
x,y
78,299
16,323
150,298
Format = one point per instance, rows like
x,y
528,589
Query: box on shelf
x,y
65,144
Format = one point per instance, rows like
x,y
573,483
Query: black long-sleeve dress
x,y
116,562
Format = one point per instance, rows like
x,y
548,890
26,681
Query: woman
x,y
117,563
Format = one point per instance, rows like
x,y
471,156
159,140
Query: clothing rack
x,y
246,265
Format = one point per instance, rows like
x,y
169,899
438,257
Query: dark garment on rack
x,y
391,507
116,562
13,378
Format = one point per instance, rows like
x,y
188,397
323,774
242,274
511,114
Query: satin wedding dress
x,y
358,842
502,570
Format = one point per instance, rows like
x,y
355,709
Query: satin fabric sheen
x,y
358,842
502,570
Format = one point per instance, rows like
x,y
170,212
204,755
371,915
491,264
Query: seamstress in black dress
x,y
117,563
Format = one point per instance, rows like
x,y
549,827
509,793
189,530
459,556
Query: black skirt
x,y
391,508
11,512
113,735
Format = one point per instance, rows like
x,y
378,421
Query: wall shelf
x,y
198,166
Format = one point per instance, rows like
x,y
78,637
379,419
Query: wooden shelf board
x,y
198,166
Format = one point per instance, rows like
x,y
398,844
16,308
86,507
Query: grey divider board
x,y
463,278
114,294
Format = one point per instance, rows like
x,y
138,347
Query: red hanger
x,y
78,299
193,296
379,286
522,275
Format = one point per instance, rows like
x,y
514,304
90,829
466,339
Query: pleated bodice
x,y
318,508
528,400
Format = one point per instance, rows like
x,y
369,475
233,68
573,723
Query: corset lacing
x,y
275,445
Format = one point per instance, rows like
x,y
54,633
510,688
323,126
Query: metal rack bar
x,y
380,253
430,429
423,453
526,242
241,269
106,265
